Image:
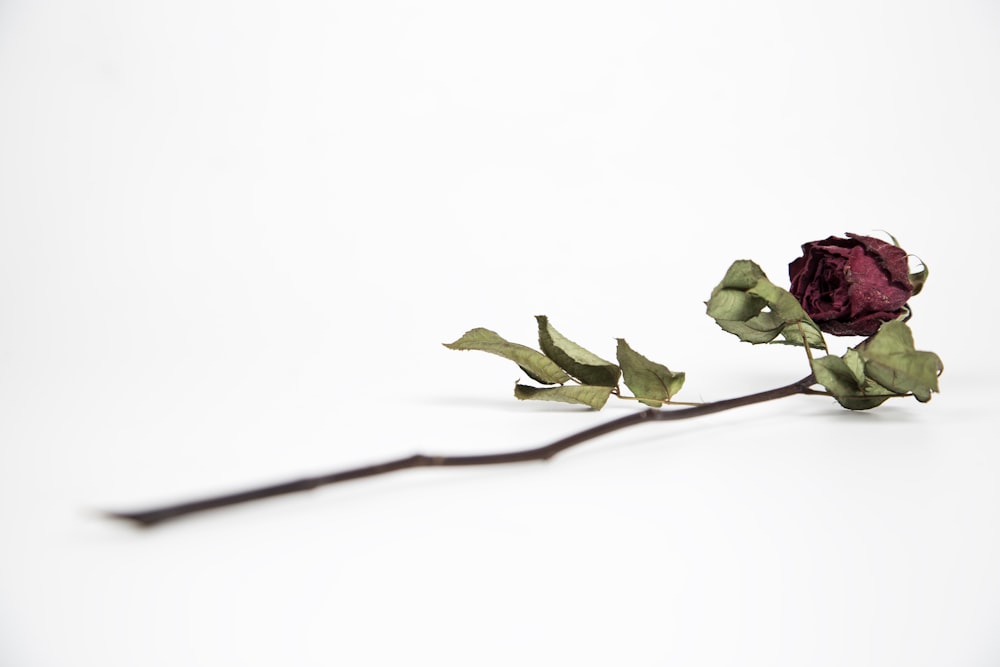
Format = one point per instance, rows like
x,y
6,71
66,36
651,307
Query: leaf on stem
x,y
756,310
892,361
590,395
580,363
844,378
538,367
650,382
883,366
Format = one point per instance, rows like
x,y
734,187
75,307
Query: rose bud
x,y
849,287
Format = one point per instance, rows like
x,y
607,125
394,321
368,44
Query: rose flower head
x,y
850,286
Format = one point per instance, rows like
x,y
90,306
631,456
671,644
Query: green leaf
x,y
647,379
742,275
856,365
734,305
592,396
581,364
756,310
730,301
841,378
760,329
787,310
891,360
538,367
883,366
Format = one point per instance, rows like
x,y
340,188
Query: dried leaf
x,y
891,360
592,396
580,363
647,379
538,367
756,310
840,377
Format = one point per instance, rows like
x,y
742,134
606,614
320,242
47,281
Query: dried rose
x,y
849,287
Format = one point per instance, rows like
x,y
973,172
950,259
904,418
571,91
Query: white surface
x,y
233,235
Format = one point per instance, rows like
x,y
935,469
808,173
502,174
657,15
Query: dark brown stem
x,y
159,515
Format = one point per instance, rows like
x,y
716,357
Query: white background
x,y
234,234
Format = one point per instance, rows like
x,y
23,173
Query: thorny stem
x,y
156,516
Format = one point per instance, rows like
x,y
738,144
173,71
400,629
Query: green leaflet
x,y
855,365
786,308
581,364
845,379
647,379
756,310
742,275
538,367
891,360
883,366
590,395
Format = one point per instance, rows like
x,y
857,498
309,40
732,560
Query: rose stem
x,y
156,516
